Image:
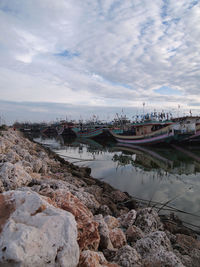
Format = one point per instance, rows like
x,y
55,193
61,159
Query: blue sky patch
x,y
165,90
68,54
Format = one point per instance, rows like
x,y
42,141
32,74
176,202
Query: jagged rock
x,y
133,233
2,189
95,190
37,165
90,258
119,196
128,219
155,248
153,242
117,237
104,210
35,233
13,175
105,242
188,246
148,220
88,200
185,244
127,257
12,157
111,221
88,235
162,258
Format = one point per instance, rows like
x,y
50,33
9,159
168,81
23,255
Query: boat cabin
x,y
144,129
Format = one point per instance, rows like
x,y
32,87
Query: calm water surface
x,y
156,174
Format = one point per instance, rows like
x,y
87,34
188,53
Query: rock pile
x,y
54,214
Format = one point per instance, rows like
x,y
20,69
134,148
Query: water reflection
x,y
152,173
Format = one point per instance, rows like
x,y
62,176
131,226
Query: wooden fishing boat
x,y
146,133
188,128
88,132
94,131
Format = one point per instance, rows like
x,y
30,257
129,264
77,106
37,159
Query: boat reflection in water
x,y
155,174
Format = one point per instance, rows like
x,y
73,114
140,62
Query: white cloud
x,y
103,53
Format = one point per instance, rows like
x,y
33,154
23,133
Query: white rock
x,y
156,249
148,220
127,257
128,219
152,242
13,175
105,241
36,233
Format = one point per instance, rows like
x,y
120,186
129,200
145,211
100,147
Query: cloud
x,y
103,53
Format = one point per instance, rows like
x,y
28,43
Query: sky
x,y
77,58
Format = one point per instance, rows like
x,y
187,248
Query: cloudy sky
x,y
83,57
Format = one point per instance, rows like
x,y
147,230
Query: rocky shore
x,y
53,213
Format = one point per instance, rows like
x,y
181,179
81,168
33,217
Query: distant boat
x,y
85,131
88,132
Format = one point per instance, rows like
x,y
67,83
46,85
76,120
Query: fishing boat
x,y
146,133
93,131
191,128
65,128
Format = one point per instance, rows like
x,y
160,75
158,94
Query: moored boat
x,y
88,132
146,133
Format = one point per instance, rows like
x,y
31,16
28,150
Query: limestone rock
x,y
13,175
128,219
35,233
88,200
111,221
105,242
117,238
119,196
163,258
188,246
104,210
153,242
155,249
127,257
148,220
94,259
133,233
185,244
88,235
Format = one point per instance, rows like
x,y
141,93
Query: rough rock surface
x,y
128,219
111,221
13,176
155,248
35,233
94,259
117,238
133,233
105,242
127,257
88,235
188,249
106,219
148,220
20,161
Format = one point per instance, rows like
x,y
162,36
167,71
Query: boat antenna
x,y
178,110
143,108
